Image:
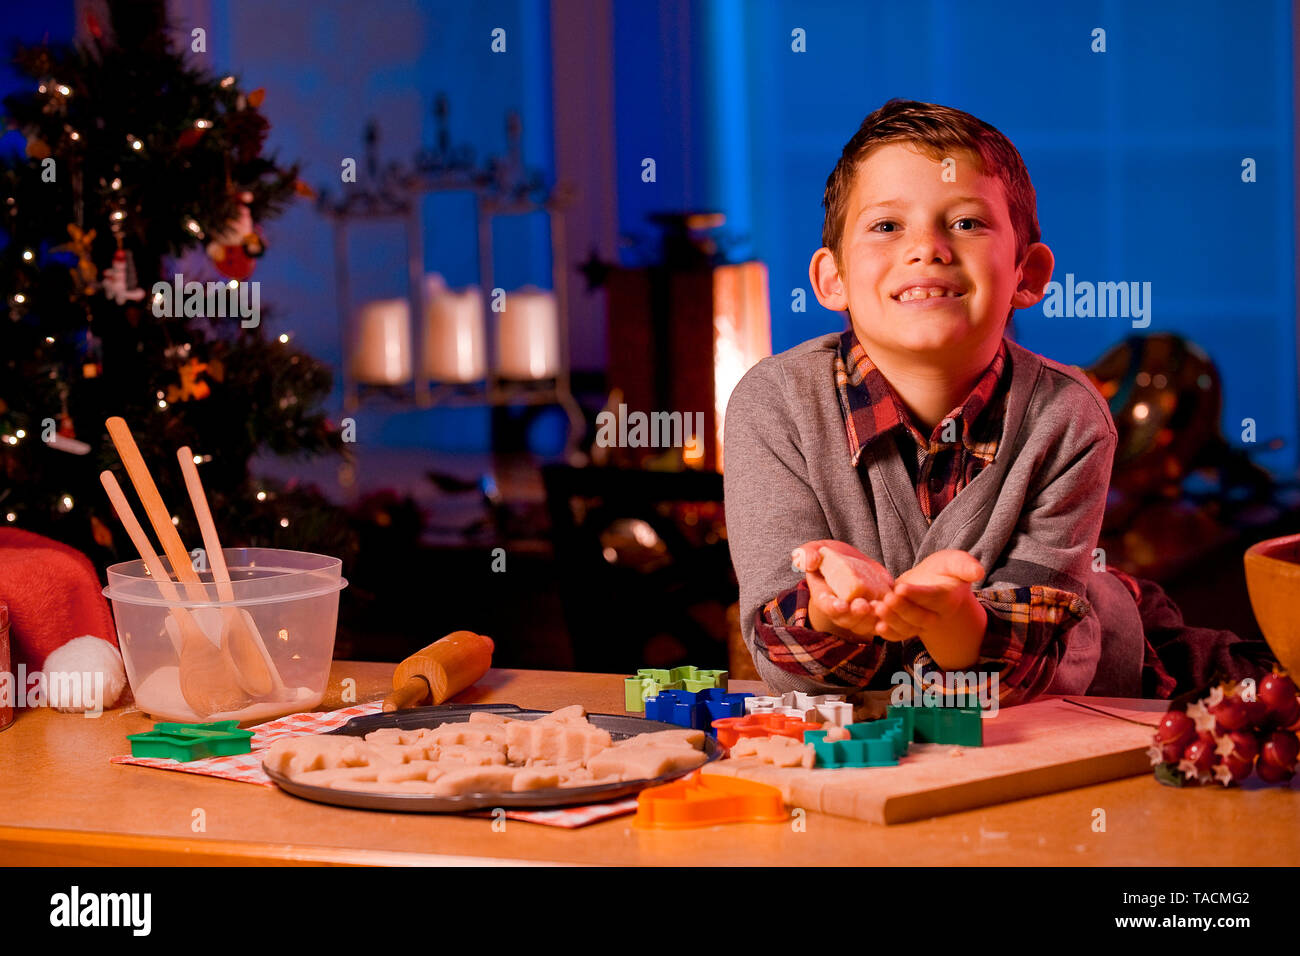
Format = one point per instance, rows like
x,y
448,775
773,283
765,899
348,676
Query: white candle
x,y
528,335
382,353
454,349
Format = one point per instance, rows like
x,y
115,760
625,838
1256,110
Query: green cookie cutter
x,y
186,742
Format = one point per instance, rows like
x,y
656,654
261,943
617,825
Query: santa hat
x,y
59,621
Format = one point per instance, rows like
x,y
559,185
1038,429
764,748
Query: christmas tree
x,y
125,167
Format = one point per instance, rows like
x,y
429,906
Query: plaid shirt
x,y
1022,622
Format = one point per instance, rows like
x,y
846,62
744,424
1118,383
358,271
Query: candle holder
x,y
503,188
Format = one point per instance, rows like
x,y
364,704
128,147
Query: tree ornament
x,y
234,248
120,280
191,387
81,245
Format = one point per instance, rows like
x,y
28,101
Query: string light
x,y
20,298
283,634
74,135
284,338
28,255
49,340
9,439
284,522
233,284
261,496
135,143
162,403
117,215
41,88
21,433
65,503
175,520
227,81
11,517
64,90
203,124
116,184
194,227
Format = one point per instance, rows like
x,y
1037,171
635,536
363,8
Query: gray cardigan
x,y
1031,517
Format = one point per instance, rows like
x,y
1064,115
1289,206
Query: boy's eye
x,y
885,225
971,224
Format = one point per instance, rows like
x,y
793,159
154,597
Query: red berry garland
x,y
1226,736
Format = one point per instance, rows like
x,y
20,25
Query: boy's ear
x,y
1035,272
828,284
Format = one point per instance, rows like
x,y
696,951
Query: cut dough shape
x,y
489,753
415,770
475,780
574,712
639,763
851,578
782,751
669,738
554,740
296,755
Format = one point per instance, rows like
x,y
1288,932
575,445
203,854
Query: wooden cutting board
x,y
1032,749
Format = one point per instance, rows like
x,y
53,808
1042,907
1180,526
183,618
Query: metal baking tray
x,y
620,727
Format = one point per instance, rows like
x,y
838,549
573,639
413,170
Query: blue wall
x,y
327,68
1135,152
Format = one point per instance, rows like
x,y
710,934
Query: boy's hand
x,y
849,620
933,601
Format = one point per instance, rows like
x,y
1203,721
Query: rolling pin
x,y
440,671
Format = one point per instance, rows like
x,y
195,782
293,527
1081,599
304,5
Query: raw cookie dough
x,y
489,753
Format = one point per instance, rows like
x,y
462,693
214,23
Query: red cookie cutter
x,y
731,729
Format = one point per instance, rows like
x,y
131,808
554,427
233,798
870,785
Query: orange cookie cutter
x,y
703,800
731,729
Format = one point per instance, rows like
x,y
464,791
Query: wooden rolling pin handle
x,y
448,665
411,694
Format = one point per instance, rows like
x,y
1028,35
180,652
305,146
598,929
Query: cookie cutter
x,y
941,725
703,800
649,681
731,729
830,709
697,711
186,742
878,743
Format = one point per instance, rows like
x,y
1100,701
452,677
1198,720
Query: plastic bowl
x,y
289,598
1273,580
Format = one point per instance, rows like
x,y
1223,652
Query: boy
x,y
965,475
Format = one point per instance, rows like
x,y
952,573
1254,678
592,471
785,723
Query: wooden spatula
x,y
207,676
240,638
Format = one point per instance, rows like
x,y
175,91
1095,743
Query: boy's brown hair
x,y
937,131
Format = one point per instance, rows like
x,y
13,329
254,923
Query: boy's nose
x,y
929,245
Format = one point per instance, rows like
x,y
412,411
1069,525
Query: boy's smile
x,y
928,266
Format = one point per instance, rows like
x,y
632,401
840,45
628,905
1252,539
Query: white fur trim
x,y
68,667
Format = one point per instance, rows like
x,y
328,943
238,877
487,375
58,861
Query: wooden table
x,y
63,803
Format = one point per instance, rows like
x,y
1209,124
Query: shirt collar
x,y
872,408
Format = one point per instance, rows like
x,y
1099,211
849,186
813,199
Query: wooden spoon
x,y
207,677
240,638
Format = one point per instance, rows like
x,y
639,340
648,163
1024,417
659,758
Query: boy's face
x,y
928,261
